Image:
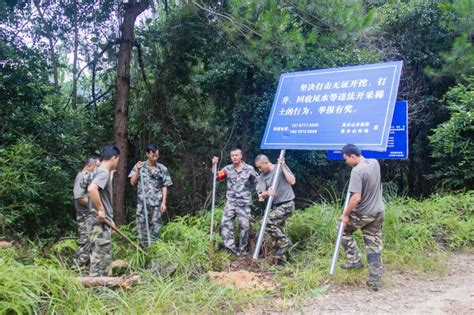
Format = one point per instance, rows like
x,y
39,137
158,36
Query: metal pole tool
x,y
340,230
214,184
144,207
116,229
268,208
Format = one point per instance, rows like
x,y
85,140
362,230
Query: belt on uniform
x,y
281,203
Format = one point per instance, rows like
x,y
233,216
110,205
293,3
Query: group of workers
x,y
93,202
94,208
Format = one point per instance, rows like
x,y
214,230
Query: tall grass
x,y
417,235
38,289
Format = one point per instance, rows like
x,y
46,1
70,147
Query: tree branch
x,y
96,58
94,100
140,63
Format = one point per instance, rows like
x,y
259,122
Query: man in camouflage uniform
x,y
283,204
99,241
241,180
83,179
156,180
365,210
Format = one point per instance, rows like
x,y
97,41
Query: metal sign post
x,y
340,230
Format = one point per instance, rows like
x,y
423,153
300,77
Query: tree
x,y
132,10
42,141
48,27
399,38
458,60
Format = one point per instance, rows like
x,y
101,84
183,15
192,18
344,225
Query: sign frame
x,y
389,103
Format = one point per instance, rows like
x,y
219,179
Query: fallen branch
x,y
122,282
4,244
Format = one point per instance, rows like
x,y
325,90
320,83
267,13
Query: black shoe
x,y
352,265
229,251
373,286
281,261
283,250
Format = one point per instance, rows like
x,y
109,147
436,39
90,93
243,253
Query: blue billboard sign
x,y
397,147
326,109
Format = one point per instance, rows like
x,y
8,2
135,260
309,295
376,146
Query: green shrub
x,y
453,141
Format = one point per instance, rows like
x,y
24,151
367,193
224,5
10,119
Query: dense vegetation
x,y
202,79
418,235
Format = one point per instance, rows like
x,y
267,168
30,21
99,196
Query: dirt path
x,y
406,293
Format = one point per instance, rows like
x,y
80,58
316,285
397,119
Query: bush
x,y
21,186
452,141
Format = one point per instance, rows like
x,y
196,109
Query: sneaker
x,y
352,265
373,286
283,250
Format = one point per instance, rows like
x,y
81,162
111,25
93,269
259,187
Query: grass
x,y
418,235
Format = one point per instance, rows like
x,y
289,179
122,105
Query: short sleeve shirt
x,y
103,180
365,179
154,179
284,191
79,192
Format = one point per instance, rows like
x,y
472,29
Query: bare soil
x,y
242,280
406,293
403,292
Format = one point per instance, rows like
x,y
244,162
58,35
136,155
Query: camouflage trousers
x,y
154,223
242,213
276,221
82,254
99,246
371,227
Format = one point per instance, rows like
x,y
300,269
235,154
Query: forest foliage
x,y
202,80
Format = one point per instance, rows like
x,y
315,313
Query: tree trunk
x,y
55,65
51,40
94,100
74,63
244,134
132,10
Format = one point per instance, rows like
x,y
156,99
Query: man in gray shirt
x,y
283,204
81,182
100,194
365,210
